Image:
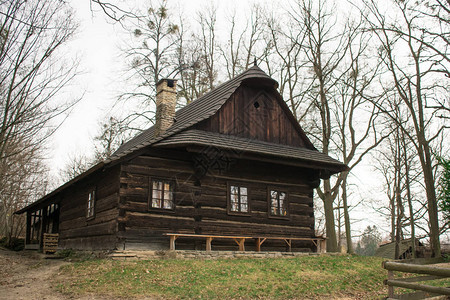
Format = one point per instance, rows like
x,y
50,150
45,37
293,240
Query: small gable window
x,y
278,203
90,212
161,195
238,199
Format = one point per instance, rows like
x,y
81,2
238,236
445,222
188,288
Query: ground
x,y
28,275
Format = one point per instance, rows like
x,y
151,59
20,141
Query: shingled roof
x,y
199,110
388,250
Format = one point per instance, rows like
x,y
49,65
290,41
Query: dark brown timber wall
x,y
201,203
99,232
256,114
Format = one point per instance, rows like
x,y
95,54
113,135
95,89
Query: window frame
x,y
239,185
150,194
91,203
278,189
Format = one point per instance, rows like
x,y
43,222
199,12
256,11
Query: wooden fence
x,y
423,291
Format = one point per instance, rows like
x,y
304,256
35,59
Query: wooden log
x,y
418,269
416,286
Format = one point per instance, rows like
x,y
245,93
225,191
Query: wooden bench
x,y
288,241
240,240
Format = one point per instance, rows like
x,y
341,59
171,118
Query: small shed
x,y
405,247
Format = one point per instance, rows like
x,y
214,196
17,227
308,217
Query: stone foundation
x,y
192,254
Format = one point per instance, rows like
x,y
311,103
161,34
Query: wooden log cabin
x,y
233,166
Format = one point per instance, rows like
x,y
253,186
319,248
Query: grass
x,y
282,278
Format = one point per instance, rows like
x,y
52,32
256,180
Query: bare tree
x,y
152,57
207,41
245,44
113,132
31,73
32,76
415,79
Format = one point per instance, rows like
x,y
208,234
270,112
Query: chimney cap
x,y
171,82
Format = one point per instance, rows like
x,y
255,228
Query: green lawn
x,y
280,278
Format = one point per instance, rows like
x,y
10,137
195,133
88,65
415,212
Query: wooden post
x,y
208,243
258,244
28,229
390,288
43,226
172,242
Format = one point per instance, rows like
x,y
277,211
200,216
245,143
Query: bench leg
x,y
208,244
288,245
172,242
241,245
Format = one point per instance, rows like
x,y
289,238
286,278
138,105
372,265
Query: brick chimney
x,y
166,99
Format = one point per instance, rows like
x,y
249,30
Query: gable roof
x,y
197,111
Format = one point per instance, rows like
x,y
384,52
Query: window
x,y
278,203
238,199
90,204
162,194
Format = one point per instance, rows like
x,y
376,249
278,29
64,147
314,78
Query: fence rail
x,y
422,290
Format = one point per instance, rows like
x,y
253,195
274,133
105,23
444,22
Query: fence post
x,y
390,288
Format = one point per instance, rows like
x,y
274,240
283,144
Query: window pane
x,y
166,186
243,191
234,190
244,199
156,194
244,208
273,194
155,185
168,204
234,206
273,210
280,208
282,195
234,198
156,203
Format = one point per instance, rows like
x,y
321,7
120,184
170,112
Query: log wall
x,y
77,231
201,203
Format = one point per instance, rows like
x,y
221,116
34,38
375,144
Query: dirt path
x,y
27,275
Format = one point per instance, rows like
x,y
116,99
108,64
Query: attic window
x,y
161,195
90,212
170,83
256,104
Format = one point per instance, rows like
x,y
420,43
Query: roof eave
x,y
61,188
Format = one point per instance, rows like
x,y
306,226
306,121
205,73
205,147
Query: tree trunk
x,y
432,208
409,197
329,218
348,232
